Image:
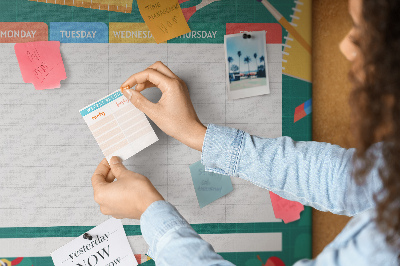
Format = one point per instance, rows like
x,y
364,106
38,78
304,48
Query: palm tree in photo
x,y
230,60
234,68
262,59
239,55
247,60
255,58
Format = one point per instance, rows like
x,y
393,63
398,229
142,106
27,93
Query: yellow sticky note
x,y
164,18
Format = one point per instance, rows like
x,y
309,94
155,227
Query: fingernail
x,y
115,160
129,93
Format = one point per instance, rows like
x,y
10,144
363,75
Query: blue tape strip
x,y
100,103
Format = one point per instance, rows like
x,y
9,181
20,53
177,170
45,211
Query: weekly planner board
x,y
48,153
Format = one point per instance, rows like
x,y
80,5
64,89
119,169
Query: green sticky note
x,y
209,186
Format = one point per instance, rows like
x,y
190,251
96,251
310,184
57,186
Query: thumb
x,y
138,100
117,167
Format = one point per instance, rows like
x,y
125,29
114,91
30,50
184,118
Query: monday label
x,y
21,32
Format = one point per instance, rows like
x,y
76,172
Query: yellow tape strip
x,y
124,6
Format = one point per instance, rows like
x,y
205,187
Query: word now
x,y
93,259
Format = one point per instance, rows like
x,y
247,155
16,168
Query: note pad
x,y
118,126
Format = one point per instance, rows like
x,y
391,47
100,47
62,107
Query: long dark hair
x,y
375,103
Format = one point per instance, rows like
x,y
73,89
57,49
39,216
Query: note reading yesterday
x,y
108,246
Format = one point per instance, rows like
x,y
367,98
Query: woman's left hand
x,y
128,197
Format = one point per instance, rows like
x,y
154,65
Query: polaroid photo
x,y
246,64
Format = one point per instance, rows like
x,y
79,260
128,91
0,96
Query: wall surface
x,y
331,88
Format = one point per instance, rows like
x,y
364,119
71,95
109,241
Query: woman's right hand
x,y
174,113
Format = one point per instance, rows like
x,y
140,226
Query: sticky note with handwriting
x,y
41,64
108,246
209,186
287,210
164,18
118,126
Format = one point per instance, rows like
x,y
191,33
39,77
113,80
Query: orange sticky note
x,y
41,64
164,18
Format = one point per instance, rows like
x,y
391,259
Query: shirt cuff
x,y
158,219
222,148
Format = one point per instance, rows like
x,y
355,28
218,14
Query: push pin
x,y
125,88
87,236
246,36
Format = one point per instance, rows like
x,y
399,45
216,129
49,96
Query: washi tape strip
x,y
142,258
303,110
124,6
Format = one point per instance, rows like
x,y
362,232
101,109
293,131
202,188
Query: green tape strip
x,y
238,258
132,230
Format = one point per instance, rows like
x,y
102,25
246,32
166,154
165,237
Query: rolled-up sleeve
x,y
313,173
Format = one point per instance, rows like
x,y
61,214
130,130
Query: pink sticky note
x,y
284,209
41,64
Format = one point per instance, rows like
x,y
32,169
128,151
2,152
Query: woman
x,y
363,183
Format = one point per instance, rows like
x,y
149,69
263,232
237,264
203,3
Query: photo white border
x,y
248,92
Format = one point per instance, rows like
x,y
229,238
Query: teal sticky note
x,y
209,186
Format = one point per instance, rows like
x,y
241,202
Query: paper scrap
x,y
209,186
284,209
124,6
302,110
272,261
41,64
108,246
20,261
142,258
189,11
118,126
164,18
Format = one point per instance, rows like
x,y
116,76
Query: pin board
x,y
49,154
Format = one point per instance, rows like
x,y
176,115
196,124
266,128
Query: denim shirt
x,y
312,173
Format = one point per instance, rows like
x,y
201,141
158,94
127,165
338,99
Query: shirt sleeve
x,y
312,173
173,241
